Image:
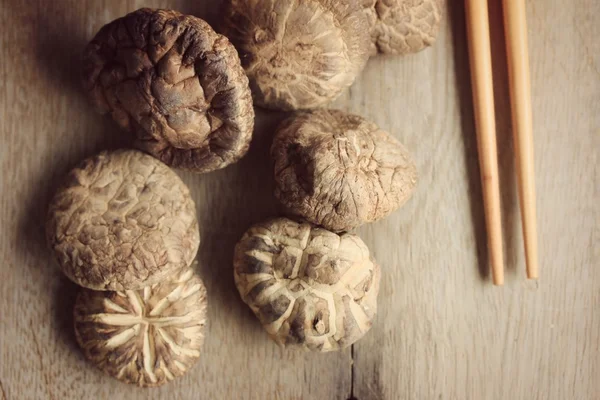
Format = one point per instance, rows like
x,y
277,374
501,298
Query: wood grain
x,y
443,331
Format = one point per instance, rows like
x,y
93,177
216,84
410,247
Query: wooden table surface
x,y
443,331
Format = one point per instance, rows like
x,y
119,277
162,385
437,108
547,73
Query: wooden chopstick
x,y
515,30
478,34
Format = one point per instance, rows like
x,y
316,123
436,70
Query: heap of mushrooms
x,y
123,225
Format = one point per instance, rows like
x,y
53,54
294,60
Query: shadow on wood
x,y
233,199
57,47
64,301
60,43
456,11
208,10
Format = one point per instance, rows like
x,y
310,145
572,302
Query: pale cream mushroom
x,y
404,26
122,220
311,288
298,54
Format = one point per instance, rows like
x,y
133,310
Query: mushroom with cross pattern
x,y
145,337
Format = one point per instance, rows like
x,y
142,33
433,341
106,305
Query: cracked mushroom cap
x,y
309,287
339,170
175,84
122,220
298,54
144,337
403,26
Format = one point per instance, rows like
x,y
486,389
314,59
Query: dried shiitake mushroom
x,y
310,287
371,14
175,84
339,170
144,337
122,220
298,54
404,26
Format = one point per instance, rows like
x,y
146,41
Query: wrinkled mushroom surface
x,y
175,84
310,287
339,170
122,220
144,337
404,26
298,54
371,14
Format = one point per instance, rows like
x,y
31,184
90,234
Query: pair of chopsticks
x,y
515,30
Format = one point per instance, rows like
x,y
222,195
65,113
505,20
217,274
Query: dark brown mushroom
x,y
175,84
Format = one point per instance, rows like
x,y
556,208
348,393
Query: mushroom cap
x,y
144,337
122,220
310,288
339,170
298,54
371,14
404,26
175,84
